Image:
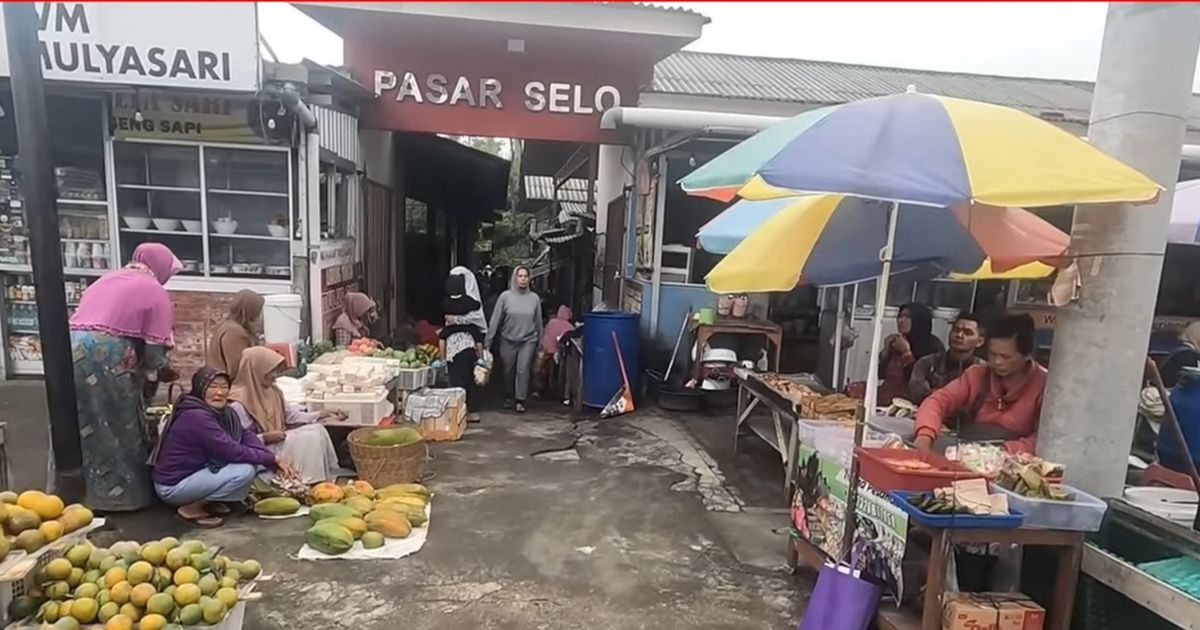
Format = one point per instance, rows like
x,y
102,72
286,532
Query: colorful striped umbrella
x,y
732,226
921,149
826,240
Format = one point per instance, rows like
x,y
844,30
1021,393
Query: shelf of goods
x,y
225,212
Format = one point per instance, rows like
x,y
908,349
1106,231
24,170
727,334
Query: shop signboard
x,y
338,277
443,89
819,514
161,44
185,116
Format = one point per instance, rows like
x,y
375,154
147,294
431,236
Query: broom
x,y
622,401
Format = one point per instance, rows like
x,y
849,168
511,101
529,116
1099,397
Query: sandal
x,y
203,522
520,407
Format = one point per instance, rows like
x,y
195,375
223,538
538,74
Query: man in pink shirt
x,y
1000,401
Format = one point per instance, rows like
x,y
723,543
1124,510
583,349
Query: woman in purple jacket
x,y
204,457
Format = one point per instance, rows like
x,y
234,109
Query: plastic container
x,y
361,409
835,440
873,467
1084,514
410,379
281,318
957,521
601,370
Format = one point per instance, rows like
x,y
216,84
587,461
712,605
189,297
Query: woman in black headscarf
x,y
204,458
462,336
914,339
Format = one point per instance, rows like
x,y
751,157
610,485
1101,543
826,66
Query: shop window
x,y
225,212
334,205
416,217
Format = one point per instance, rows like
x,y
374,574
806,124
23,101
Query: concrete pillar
x,y
1143,89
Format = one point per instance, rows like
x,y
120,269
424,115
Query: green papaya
x,y
394,437
372,540
329,538
278,506
332,510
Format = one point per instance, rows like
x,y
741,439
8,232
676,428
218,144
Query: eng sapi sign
x,y
188,45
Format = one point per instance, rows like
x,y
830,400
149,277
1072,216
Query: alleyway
x,y
538,522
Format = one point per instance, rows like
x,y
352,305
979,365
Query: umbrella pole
x,y
881,291
838,329
872,394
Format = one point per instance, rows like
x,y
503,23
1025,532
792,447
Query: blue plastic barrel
x,y
601,370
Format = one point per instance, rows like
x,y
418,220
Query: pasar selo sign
x,y
489,93
465,87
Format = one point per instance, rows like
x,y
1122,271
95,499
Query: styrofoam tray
x,y
392,549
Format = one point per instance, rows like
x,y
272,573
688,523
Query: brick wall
x,y
197,314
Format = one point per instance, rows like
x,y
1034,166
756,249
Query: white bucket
x,y
281,318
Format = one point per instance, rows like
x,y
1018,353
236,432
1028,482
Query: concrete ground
x,y
538,521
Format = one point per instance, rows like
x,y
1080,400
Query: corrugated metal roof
x,y
541,188
826,82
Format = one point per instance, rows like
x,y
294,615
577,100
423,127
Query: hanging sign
x,y
189,45
182,116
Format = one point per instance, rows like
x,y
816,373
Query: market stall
x,y
910,503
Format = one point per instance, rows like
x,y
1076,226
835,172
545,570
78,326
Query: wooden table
x,y
703,332
784,420
1066,545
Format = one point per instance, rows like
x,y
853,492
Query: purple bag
x,y
841,601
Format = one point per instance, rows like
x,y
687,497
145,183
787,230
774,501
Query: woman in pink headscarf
x,y
120,334
358,315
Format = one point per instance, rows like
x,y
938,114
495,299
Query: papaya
x,y
326,492
372,540
31,540
358,488
46,506
22,607
389,523
357,526
408,499
277,506
329,538
415,515
75,518
360,503
393,437
21,519
332,510
398,489
9,497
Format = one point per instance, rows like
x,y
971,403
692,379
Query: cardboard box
x,y
991,611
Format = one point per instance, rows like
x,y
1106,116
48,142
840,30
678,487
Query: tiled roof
x,y
825,82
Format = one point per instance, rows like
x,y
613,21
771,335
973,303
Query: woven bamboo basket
x,y
385,465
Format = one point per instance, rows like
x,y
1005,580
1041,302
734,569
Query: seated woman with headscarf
x,y
237,332
204,457
913,340
1186,355
358,315
288,431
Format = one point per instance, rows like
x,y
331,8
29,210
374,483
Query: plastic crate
x,y
1011,520
1084,514
361,409
414,378
874,468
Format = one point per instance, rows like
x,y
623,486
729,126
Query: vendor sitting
x,y
935,371
204,457
1002,400
1185,399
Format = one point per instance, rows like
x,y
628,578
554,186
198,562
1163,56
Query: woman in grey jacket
x,y
517,324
